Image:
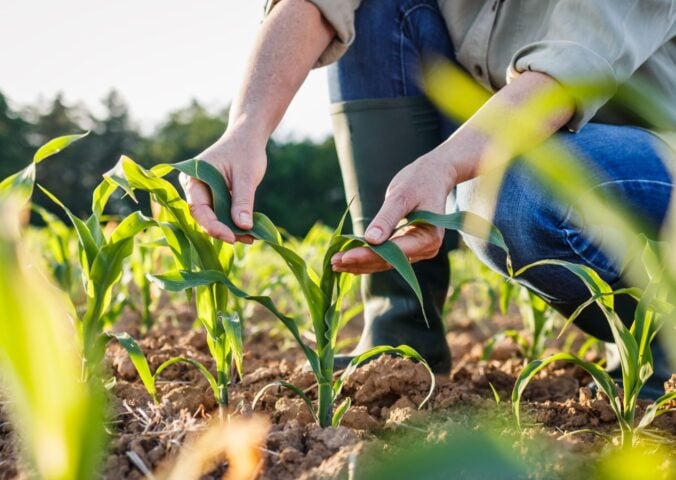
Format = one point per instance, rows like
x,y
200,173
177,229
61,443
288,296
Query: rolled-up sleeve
x,y
592,47
340,14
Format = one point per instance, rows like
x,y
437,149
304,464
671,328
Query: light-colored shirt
x,y
610,43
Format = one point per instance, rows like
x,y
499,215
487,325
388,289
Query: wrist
x,y
440,163
246,130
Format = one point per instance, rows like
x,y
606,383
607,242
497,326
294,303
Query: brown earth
x,y
385,397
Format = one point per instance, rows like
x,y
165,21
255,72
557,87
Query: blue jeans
x,y
393,37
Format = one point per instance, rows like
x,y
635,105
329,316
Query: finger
x,y
199,200
359,270
392,211
205,216
243,191
420,243
360,256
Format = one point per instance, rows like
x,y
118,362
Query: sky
x,y
159,54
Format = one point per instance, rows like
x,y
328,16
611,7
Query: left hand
x,y
422,185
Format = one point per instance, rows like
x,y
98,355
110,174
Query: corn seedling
x,y
101,260
195,252
486,291
323,292
59,252
634,346
537,319
58,419
143,260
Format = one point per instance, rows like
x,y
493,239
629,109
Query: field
x,y
142,348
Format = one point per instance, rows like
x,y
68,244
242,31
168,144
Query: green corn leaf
x,y
593,299
336,244
94,226
101,195
340,412
139,360
600,376
264,230
21,183
103,275
335,319
179,245
233,332
627,346
131,226
506,289
55,146
464,222
179,281
657,408
190,361
288,386
392,254
112,179
592,280
129,176
402,350
87,243
59,419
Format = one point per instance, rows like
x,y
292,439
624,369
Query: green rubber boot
x,y
375,139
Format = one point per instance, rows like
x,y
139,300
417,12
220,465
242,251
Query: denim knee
x,y
530,221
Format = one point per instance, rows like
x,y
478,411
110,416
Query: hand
x,y
242,162
422,185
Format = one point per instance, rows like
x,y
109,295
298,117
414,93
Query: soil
x,y
385,397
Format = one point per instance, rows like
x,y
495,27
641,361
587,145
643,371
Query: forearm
x,y
290,41
520,116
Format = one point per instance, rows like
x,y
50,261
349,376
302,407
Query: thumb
x,y
384,223
243,191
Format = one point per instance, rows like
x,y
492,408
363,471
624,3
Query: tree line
x,y
302,185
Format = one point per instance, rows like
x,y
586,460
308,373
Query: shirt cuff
x,y
340,14
589,77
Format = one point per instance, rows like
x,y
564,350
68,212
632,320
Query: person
x,y
398,154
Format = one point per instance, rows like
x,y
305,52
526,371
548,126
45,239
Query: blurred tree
x,y
184,135
73,175
302,185
15,149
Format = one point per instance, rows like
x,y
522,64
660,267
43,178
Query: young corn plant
x,y
58,419
143,260
537,318
195,253
59,243
101,263
323,292
634,346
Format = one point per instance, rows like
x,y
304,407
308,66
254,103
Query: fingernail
x,y
245,218
374,234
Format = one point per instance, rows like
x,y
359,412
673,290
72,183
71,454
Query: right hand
x,y
242,162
